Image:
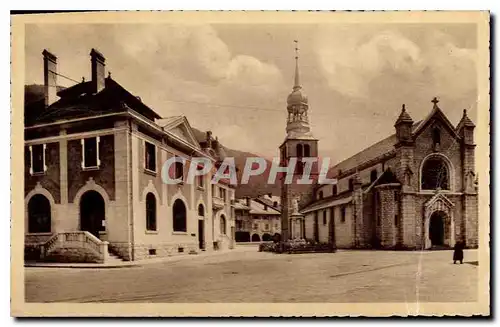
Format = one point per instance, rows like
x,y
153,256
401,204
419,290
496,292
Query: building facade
x,y
257,219
416,189
94,156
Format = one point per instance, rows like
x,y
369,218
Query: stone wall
x,y
471,221
155,250
81,255
389,209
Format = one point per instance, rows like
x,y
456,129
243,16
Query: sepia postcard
x,y
250,164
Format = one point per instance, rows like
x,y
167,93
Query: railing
x,y
79,239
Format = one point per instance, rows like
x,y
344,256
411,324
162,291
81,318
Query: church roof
x,y
344,198
378,149
436,111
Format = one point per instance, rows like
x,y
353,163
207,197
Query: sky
x,y
233,79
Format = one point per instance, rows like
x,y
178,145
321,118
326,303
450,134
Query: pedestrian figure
x,y
458,253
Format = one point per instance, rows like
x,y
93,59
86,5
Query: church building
x,y
416,189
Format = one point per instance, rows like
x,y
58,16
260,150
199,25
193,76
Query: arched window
x,y
435,175
307,150
179,214
223,225
267,237
373,175
320,195
436,136
150,211
299,150
334,189
39,217
201,210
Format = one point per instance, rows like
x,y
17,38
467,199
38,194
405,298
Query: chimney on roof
x,y
97,64
49,77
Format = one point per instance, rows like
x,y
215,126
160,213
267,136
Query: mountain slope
x,y
257,185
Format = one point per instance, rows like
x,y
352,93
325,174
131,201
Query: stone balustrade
x,y
77,241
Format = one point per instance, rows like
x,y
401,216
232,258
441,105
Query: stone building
x,y
257,219
94,156
416,189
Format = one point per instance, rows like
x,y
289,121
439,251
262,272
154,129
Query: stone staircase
x,y
113,258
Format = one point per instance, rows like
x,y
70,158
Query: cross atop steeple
x,y
435,101
296,84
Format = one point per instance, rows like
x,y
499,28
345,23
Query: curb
x,y
82,265
125,264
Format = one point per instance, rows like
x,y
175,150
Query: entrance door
x,y
92,214
436,228
201,234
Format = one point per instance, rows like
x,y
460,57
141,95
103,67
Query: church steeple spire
x,y
296,84
297,106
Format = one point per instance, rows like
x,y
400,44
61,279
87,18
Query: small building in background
x,y
257,219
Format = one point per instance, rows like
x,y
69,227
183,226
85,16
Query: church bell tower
x,y
299,143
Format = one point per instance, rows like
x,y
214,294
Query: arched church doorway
x,y
437,228
92,213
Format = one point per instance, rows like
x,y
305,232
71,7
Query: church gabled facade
x,y
416,189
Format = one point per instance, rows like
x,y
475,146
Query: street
x,y
245,275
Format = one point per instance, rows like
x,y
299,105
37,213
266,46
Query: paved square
x,y
245,275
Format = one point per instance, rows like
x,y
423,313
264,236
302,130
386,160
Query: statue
x,y
295,206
